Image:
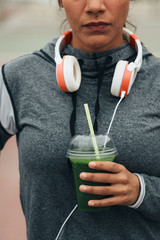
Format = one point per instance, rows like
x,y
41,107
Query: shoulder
x,y
148,78
26,67
20,66
150,66
34,61
150,61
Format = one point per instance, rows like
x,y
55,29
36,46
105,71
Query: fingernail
x,y
83,175
92,164
82,188
91,203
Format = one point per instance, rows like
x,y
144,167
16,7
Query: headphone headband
x,y
63,40
135,43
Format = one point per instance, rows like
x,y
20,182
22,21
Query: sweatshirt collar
x,y
123,52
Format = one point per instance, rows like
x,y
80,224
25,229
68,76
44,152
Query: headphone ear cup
x,y
68,74
118,77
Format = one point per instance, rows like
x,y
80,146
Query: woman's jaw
x,y
97,37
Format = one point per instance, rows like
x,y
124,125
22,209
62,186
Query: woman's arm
x,y
150,207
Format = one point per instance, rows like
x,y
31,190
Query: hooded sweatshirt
x,y
44,119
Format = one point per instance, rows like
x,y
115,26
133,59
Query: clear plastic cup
x,y
80,153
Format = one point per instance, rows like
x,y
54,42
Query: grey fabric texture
x,y
42,112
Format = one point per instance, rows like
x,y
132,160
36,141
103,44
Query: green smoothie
x,y
81,165
81,151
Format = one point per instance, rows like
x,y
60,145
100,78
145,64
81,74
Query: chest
x,y
45,124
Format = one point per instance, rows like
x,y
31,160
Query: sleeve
x,y
150,206
142,192
7,117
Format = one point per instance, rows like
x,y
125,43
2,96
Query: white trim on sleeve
x,y
7,117
142,192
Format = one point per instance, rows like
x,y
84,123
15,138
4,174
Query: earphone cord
x,y
113,116
109,128
66,221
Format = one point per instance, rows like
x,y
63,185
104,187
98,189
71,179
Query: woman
x,y
44,118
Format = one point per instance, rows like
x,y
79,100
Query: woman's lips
x,y
96,26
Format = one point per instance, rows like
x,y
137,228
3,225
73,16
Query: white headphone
x,y
69,74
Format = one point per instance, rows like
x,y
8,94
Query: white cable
x,y
113,116
65,222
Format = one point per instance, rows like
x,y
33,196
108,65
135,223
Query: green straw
x,y
91,130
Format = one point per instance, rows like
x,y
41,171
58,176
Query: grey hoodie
x,y
40,118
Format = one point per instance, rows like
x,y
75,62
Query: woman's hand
x,y
124,185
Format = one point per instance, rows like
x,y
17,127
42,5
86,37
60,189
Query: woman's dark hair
x,y
59,2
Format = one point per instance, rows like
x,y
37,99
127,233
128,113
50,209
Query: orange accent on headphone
x,y
125,81
133,39
68,37
60,76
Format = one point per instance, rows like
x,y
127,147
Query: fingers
x,y
118,195
111,201
124,186
104,177
104,190
106,166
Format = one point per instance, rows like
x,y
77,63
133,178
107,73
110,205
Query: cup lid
x,y
82,145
